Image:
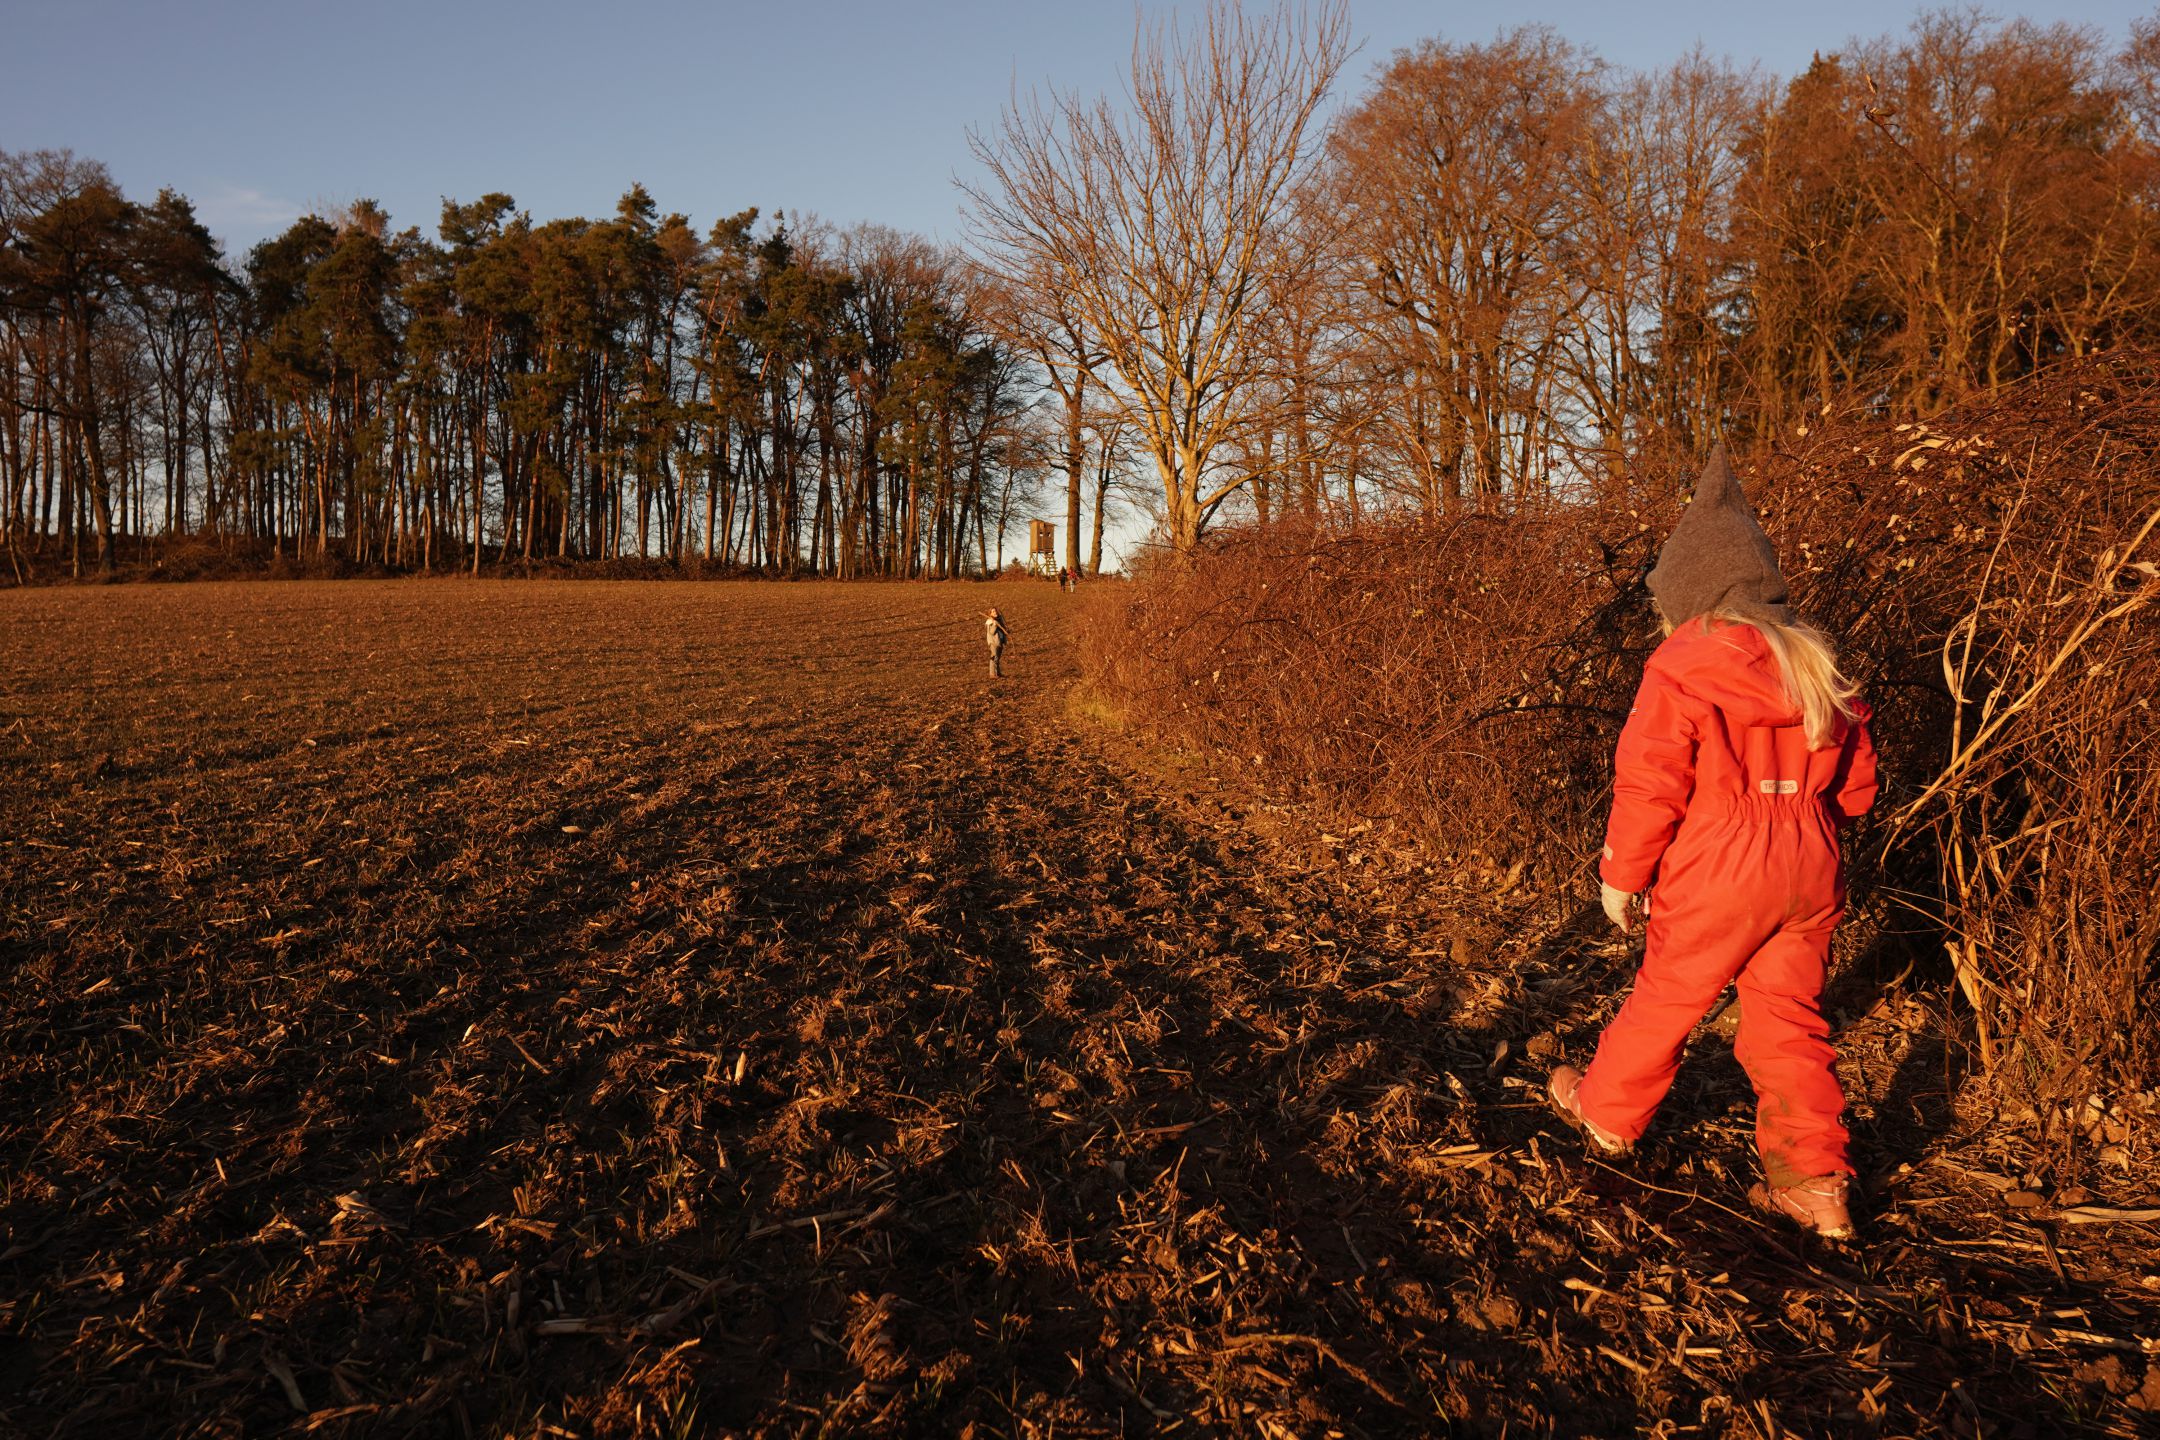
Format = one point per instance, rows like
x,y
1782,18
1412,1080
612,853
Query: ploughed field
x,y
500,1008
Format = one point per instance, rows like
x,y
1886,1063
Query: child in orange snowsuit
x,y
1745,755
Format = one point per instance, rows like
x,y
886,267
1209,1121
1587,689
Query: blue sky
x,y
849,109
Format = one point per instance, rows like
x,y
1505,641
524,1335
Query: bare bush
x,y
1432,672
1993,573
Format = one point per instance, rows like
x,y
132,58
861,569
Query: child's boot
x,y
1818,1205
1565,1089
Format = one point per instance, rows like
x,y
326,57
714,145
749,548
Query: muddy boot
x,y
1564,1089
1818,1205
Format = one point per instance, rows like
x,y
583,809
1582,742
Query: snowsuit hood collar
x,y
1718,555
1731,667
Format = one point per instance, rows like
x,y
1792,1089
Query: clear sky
x,y
848,109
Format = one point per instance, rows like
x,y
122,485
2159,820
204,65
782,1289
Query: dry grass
x,y
495,1009
1455,679
2001,591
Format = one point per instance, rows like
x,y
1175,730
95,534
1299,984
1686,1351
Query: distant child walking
x,y
995,637
1746,753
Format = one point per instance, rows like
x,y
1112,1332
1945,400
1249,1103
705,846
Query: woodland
x,y
1493,272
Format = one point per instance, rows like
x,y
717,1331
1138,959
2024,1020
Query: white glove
x,y
1616,906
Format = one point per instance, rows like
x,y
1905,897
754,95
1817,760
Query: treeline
x,y
1504,271
1511,270
786,401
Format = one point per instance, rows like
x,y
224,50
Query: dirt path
x,y
580,1009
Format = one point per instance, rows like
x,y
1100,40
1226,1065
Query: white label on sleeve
x,y
1780,787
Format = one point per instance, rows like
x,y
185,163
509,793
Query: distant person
x,y
995,636
1064,578
1745,755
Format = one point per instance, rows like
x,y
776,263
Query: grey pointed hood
x,y
1718,556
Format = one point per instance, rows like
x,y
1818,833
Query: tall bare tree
x,y
1451,179
1158,224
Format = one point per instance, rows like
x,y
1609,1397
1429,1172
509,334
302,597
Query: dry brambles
x,y
446,1008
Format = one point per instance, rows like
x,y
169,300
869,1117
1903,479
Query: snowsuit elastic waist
x,y
1762,810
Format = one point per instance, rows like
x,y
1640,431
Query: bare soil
x,y
521,1009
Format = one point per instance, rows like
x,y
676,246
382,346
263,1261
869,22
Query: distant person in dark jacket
x,y
994,635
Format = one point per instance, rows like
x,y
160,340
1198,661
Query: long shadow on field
x,y
920,1084
896,1084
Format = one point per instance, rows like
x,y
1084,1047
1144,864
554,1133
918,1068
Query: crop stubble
x,y
474,1008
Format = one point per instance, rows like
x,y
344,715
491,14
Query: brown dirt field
x,y
540,1009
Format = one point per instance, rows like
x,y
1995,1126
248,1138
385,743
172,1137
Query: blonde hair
x,y
1807,664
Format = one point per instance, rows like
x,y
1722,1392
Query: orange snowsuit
x,y
1719,801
